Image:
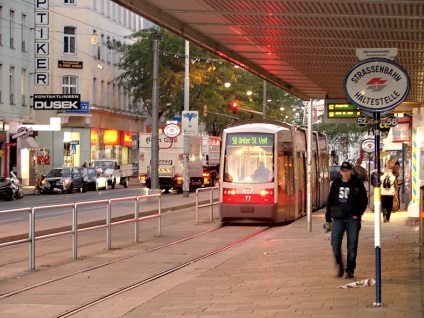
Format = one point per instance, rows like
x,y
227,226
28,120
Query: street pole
x,y
309,172
154,176
264,101
377,210
186,176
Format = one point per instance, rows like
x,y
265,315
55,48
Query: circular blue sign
x,y
376,85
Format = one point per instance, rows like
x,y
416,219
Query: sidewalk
x,y
289,273
284,272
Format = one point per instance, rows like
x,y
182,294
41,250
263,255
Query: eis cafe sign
x,y
376,85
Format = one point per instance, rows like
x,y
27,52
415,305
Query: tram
x,y
264,172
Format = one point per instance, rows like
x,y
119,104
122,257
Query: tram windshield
x,y
249,158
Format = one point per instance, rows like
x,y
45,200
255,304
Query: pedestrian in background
x,y
346,204
360,171
388,187
399,178
395,168
84,178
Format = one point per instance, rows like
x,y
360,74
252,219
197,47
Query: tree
x,y
208,74
345,135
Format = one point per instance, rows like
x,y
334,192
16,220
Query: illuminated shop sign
x,y
126,138
111,137
94,137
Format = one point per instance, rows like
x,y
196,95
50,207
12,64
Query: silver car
x,y
66,179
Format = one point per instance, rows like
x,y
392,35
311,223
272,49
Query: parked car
x,y
96,180
66,179
334,172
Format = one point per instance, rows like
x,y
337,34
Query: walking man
x,y
360,171
84,178
346,204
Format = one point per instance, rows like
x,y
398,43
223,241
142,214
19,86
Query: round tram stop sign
x,y
376,85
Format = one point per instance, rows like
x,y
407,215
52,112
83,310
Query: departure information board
x,y
342,110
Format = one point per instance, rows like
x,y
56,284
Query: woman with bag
x,y
388,189
346,204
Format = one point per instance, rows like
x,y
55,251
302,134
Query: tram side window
x,y
249,164
285,173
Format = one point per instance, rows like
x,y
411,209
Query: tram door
x,y
285,184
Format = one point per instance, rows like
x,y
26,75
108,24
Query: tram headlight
x,y
267,195
228,191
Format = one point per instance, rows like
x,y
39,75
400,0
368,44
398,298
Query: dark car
x,y
334,172
66,179
96,180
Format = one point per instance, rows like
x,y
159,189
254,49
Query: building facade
x,y
16,68
72,65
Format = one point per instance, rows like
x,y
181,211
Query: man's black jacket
x,y
357,196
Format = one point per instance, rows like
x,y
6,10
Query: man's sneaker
x,y
384,219
340,272
349,275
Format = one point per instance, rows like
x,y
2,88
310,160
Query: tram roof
x,y
305,47
258,125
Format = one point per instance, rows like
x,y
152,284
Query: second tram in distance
x,y
264,168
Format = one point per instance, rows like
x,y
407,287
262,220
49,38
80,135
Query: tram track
x,y
91,268
225,238
156,276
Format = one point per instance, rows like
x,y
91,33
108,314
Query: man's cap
x,y
346,165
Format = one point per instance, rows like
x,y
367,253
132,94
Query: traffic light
x,y
205,110
234,106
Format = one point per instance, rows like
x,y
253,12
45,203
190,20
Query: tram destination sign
x,y
247,139
376,85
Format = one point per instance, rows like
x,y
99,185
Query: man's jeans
x,y
352,227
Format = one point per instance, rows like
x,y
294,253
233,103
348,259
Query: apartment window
x,y
102,7
23,32
102,48
1,25
113,13
12,85
107,57
119,14
113,54
23,86
69,2
95,91
115,96
109,94
102,94
69,84
1,83
12,29
69,40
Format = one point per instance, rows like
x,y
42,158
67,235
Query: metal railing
x,y
75,230
210,204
